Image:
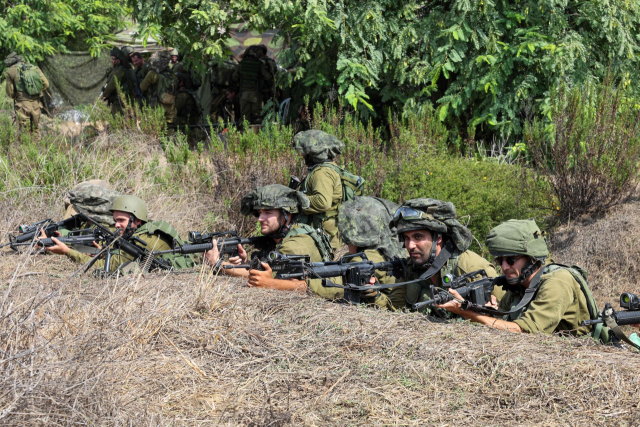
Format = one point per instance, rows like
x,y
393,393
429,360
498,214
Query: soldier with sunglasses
x,y
437,245
540,297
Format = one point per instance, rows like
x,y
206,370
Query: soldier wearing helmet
x,y
131,219
437,244
122,73
323,184
540,297
160,85
364,227
277,208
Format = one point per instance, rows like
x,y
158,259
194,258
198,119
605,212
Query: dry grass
x,y
190,349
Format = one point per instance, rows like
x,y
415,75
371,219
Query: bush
x,y
590,149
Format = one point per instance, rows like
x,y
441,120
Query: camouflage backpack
x,y
321,239
178,261
29,79
93,200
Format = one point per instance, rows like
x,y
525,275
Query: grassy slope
x,y
188,349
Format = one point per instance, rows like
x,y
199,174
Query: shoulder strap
x,y
319,237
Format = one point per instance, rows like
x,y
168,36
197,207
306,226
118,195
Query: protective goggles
x,y
509,259
407,213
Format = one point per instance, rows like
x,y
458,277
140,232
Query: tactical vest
x,y
250,77
421,291
599,332
319,237
170,234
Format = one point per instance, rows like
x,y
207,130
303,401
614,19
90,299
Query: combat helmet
x,y
118,54
436,216
318,145
275,196
519,237
13,58
364,222
127,50
131,204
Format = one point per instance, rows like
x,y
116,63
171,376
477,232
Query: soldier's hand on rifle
x,y
241,258
213,255
453,305
493,303
59,248
370,293
260,279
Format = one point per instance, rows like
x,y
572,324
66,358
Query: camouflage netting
x,y
242,38
75,78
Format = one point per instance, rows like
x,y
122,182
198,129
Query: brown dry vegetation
x,y
190,349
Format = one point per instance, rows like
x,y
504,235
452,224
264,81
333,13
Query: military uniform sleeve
x,y
45,82
321,189
118,74
550,304
150,79
180,101
266,75
9,86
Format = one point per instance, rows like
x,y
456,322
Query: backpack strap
x,y
319,237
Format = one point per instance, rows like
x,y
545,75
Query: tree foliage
x,y
485,64
37,28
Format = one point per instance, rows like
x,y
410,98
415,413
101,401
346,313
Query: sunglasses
x,y
408,213
509,259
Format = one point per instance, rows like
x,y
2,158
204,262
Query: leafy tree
x,y
37,28
485,64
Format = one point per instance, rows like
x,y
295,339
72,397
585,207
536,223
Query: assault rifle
x,y
81,237
355,275
476,294
280,263
228,246
614,319
126,243
29,232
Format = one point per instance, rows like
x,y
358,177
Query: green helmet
x,y
127,50
118,54
433,215
319,145
517,237
13,58
131,204
364,222
274,196
174,52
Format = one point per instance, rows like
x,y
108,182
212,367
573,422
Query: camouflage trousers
x,y
28,117
251,107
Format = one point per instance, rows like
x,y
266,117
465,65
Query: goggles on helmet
x,y
407,213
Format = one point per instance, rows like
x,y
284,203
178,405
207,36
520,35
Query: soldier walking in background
x,y
25,84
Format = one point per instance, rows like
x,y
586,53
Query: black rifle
x,y
126,243
81,237
29,232
614,319
476,294
355,275
280,263
229,246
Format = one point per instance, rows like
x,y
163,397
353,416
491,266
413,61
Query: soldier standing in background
x,y
141,71
123,74
25,84
160,85
252,75
188,110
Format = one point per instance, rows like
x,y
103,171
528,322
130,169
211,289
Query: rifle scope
x,y
629,301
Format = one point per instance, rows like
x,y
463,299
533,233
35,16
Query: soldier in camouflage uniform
x,y
252,75
140,72
160,85
437,244
123,74
187,104
130,215
364,226
541,297
27,107
322,184
277,208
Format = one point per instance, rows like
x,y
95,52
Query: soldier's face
x,y
122,220
270,220
174,59
513,271
418,244
137,62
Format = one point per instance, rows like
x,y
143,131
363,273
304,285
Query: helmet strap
x,y
434,247
285,228
526,271
128,231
